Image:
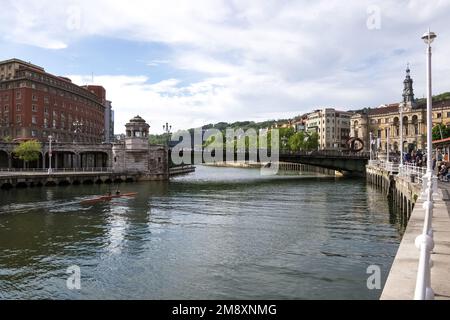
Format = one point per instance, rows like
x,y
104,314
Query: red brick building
x,y
36,104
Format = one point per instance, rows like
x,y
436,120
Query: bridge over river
x,y
353,163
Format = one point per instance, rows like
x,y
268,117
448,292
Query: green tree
x,y
7,139
297,141
440,129
285,134
312,142
28,151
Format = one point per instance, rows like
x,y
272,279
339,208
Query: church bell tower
x,y
408,92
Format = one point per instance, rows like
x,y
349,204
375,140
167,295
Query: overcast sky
x,y
196,62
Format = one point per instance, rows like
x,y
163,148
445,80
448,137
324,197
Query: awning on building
x,y
441,142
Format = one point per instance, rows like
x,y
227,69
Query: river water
x,y
220,233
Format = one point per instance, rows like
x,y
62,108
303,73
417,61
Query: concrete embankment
x,y
401,281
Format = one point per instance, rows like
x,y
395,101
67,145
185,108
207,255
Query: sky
x,y
196,62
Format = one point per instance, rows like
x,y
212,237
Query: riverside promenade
x,y
401,281
14,178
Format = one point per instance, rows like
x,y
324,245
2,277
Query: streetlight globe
x,y
428,37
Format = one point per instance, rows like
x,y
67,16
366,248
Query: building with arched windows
x,y
384,121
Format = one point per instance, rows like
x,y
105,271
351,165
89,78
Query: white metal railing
x,y
391,166
388,166
413,172
425,244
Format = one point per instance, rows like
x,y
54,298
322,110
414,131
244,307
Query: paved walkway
x,y
402,277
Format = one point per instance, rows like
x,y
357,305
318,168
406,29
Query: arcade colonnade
x,y
64,156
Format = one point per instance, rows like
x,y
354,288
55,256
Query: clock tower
x,y
408,92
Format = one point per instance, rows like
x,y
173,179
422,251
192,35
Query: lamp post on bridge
x,y
167,130
50,139
284,141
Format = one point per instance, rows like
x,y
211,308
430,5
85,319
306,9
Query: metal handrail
x,y
416,173
391,166
425,244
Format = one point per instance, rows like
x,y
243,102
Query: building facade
x,y
332,127
35,104
384,122
135,154
109,122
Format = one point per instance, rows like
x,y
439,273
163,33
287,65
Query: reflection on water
x,y
220,233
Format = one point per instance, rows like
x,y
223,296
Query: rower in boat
x,y
109,197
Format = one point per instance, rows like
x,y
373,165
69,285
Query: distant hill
x,y
245,125
440,97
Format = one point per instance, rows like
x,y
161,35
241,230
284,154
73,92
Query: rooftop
x,y
15,60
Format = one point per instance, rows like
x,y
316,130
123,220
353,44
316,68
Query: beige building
x,y
384,121
332,126
135,154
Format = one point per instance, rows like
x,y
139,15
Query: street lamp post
x,y
425,242
387,144
401,135
77,125
428,38
284,140
50,139
167,128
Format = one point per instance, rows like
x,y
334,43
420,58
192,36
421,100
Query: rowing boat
x,y
108,198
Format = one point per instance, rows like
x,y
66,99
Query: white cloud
x,y
251,59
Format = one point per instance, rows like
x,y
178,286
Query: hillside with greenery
x,y
438,98
289,140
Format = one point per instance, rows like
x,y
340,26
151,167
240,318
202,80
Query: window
x,y
18,118
34,108
46,123
439,115
33,119
33,133
18,95
18,107
54,123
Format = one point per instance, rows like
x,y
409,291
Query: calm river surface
x,y
220,233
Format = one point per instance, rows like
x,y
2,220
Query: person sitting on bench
x,y
442,176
